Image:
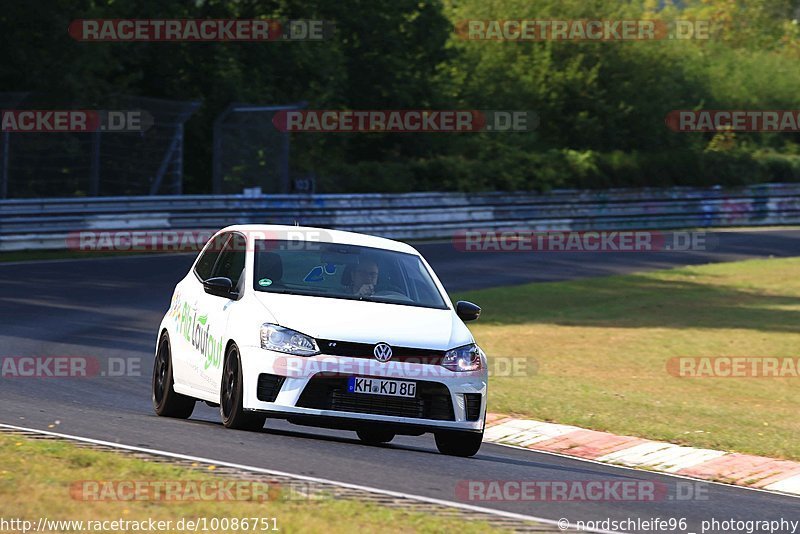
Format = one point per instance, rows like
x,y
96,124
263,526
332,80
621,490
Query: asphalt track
x,y
110,307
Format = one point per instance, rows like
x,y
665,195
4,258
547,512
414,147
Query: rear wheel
x,y
166,402
232,393
375,437
457,443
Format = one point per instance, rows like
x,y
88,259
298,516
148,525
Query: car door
x,y
184,313
211,330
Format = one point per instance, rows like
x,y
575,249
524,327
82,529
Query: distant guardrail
x,y
46,223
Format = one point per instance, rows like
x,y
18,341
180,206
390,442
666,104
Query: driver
x,y
365,276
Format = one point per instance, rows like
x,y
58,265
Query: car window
x,y
344,271
231,260
205,264
418,279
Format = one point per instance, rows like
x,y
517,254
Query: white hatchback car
x,y
322,328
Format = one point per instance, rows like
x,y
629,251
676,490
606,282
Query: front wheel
x,y
166,402
458,443
232,393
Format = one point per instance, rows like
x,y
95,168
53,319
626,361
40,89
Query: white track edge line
x,y
431,500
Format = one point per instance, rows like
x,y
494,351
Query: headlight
x,y
466,358
278,338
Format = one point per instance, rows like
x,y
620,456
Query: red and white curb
x,y
728,467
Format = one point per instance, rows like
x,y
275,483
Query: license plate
x,y
379,386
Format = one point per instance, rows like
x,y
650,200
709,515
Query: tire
x,y
457,443
166,402
375,437
231,394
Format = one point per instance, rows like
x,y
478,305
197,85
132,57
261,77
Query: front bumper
x,y
306,374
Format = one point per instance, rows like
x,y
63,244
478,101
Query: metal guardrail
x,y
46,223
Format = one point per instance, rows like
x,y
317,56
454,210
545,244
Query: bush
x,y
514,170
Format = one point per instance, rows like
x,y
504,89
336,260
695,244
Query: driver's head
x,y
365,273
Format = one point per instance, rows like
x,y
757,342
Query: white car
x,y
323,328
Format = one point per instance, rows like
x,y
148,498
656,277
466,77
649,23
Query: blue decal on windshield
x,y
315,275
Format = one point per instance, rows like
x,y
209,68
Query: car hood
x,y
367,322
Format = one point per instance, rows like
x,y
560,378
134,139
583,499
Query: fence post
x,y
286,186
216,155
94,172
178,185
177,140
7,101
4,173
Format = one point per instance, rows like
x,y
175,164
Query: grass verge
x,y
597,351
36,478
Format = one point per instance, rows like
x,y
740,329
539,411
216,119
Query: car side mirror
x,y
467,311
220,287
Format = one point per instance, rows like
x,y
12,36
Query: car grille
x,y
328,392
472,403
268,387
365,350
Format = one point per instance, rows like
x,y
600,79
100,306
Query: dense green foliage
x,y
602,105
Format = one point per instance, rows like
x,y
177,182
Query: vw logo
x,y
382,352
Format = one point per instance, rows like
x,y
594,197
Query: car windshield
x,y
345,272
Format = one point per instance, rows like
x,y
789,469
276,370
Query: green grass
x,y
36,477
599,348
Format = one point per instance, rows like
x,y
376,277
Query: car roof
x,y
323,235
